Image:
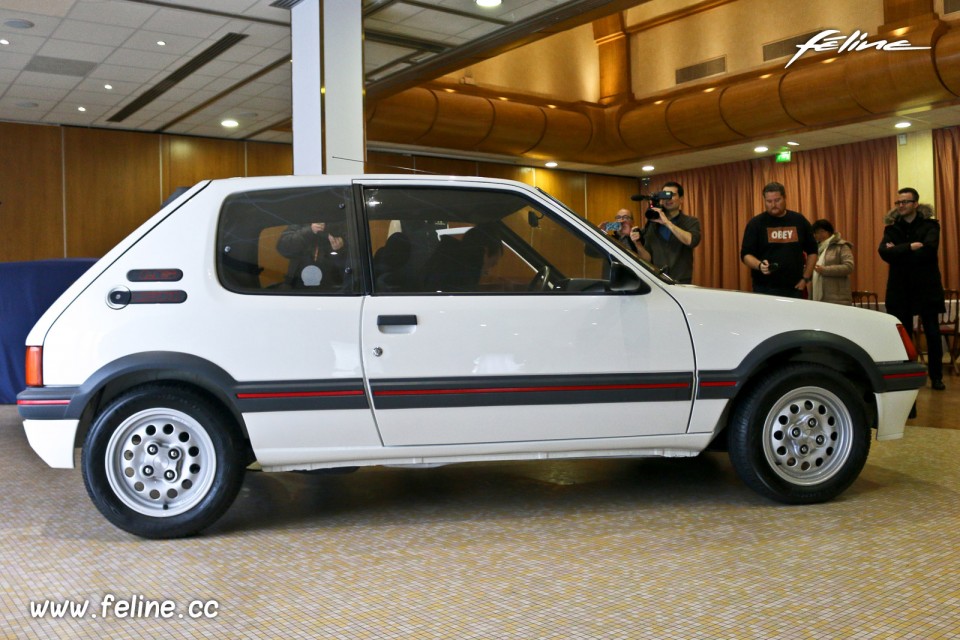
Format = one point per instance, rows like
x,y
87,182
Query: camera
x,y
654,199
772,266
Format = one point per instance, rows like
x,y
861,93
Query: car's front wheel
x,y
162,462
800,435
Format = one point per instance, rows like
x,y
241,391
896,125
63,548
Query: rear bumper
x,y
53,440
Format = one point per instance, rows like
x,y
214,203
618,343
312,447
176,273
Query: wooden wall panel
x,y
608,194
269,159
31,192
187,161
526,175
386,162
112,186
445,166
566,186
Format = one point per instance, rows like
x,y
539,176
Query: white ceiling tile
x,y
194,24
27,92
239,52
75,50
13,109
21,43
102,34
142,59
265,35
14,60
54,81
175,44
43,26
109,12
54,8
101,98
129,76
241,71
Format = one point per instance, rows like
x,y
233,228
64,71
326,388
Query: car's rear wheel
x,y
162,462
800,435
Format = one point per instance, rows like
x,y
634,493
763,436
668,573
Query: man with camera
x,y
774,244
669,237
622,229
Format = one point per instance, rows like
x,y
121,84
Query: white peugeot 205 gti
x,y
338,322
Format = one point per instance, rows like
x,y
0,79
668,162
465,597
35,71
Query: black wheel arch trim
x,y
882,377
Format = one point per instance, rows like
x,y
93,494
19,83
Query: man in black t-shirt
x,y
774,244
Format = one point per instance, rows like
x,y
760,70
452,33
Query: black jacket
x,y
914,285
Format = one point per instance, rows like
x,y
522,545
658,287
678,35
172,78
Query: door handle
x,y
396,321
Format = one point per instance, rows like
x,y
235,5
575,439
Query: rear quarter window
x,y
288,242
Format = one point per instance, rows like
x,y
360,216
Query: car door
x,y
536,349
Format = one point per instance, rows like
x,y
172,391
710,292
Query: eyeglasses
x,y
900,202
623,218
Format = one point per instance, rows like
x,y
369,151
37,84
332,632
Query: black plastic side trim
x,y
45,403
307,395
489,391
903,376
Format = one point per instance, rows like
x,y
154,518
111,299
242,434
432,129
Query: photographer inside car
x,y
670,235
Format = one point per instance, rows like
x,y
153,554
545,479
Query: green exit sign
x,y
783,156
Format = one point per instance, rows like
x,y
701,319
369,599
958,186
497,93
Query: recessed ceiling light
x,y
551,106
550,164
81,108
108,87
488,4
761,149
19,24
450,90
161,43
903,125
648,167
230,124
503,98
4,41
793,144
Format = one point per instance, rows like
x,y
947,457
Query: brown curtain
x,y
946,158
851,185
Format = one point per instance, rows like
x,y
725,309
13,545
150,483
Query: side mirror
x,y
625,280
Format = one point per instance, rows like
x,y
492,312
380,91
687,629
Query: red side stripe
x,y
42,402
298,394
893,376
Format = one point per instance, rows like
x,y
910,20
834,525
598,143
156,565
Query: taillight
x,y
34,366
907,343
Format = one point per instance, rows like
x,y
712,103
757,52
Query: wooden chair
x,y
866,300
950,327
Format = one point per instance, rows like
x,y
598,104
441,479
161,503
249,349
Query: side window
x,y
288,241
475,241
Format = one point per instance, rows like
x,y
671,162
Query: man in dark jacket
x,y
910,244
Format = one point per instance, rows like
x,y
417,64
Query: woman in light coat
x,y
831,275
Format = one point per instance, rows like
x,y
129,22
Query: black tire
x,y
800,435
162,462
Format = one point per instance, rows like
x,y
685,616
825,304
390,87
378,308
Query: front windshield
x,y
634,257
